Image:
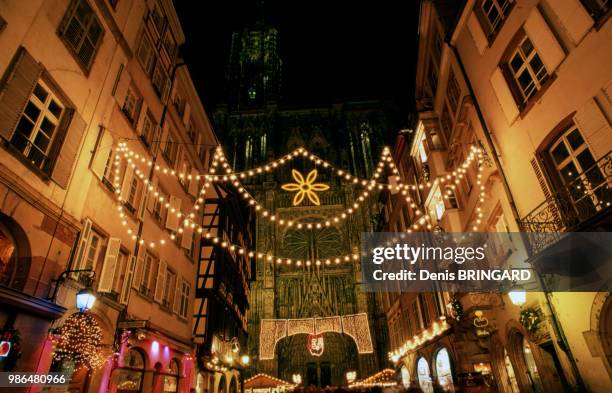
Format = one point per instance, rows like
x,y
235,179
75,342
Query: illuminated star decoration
x,y
304,188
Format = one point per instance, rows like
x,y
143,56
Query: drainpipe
x,y
580,387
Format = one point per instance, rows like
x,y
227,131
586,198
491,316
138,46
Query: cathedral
x,y
256,127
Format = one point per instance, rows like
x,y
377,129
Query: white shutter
x,y
161,281
143,201
82,245
139,270
544,40
127,179
594,127
151,200
127,281
504,95
103,149
172,221
110,264
178,294
122,85
193,183
187,237
478,35
573,16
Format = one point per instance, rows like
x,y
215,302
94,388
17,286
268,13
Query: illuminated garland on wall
x,y
437,328
186,219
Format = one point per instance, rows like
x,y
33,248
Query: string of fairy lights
x,y
219,163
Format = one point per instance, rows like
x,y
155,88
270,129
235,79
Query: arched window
x,y
443,370
171,377
424,376
510,372
534,375
14,254
8,255
130,375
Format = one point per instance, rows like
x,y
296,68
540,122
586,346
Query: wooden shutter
x,y
594,127
127,179
20,78
539,172
68,147
122,86
178,294
139,269
101,153
172,221
127,281
161,281
152,199
193,183
143,201
82,245
187,237
186,113
504,95
574,17
544,40
478,34
141,117
110,264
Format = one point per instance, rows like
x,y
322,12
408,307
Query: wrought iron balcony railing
x,y
571,207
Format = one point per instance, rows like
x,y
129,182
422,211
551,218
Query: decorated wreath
x,y
530,319
10,348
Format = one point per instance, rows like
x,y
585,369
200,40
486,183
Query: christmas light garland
x,y
187,219
79,341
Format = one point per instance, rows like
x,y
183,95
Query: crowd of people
x,y
399,388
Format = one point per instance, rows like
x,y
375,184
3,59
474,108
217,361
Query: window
x,y
158,18
131,105
160,210
171,377
444,371
186,171
118,275
191,131
93,251
424,376
149,275
453,91
576,168
494,12
160,81
148,129
599,9
435,206
446,122
184,301
38,126
134,194
82,32
417,316
422,149
432,77
527,69
169,44
107,176
146,54
169,289
424,309
170,149
450,197
129,377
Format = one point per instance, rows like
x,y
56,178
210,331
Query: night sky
x,y
331,50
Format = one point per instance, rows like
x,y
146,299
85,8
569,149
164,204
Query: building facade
x,y
105,146
496,75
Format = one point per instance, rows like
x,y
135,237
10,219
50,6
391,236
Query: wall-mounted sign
x,y
315,344
5,348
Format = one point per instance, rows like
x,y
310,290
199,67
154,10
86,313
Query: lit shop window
x,y
443,370
424,376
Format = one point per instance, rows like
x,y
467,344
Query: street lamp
x,y
85,299
518,296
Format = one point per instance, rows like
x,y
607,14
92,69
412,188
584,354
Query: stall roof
x,y
264,381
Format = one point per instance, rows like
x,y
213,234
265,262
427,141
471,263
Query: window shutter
x,y
127,281
172,221
84,238
193,183
127,179
143,201
187,237
20,79
110,264
156,138
152,198
161,281
122,86
540,176
573,16
504,95
544,40
68,147
186,113
178,294
594,127
105,144
478,35
139,270
142,114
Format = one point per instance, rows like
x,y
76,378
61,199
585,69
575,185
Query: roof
x,y
264,381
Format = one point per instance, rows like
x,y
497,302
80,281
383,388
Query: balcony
x,y
580,205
